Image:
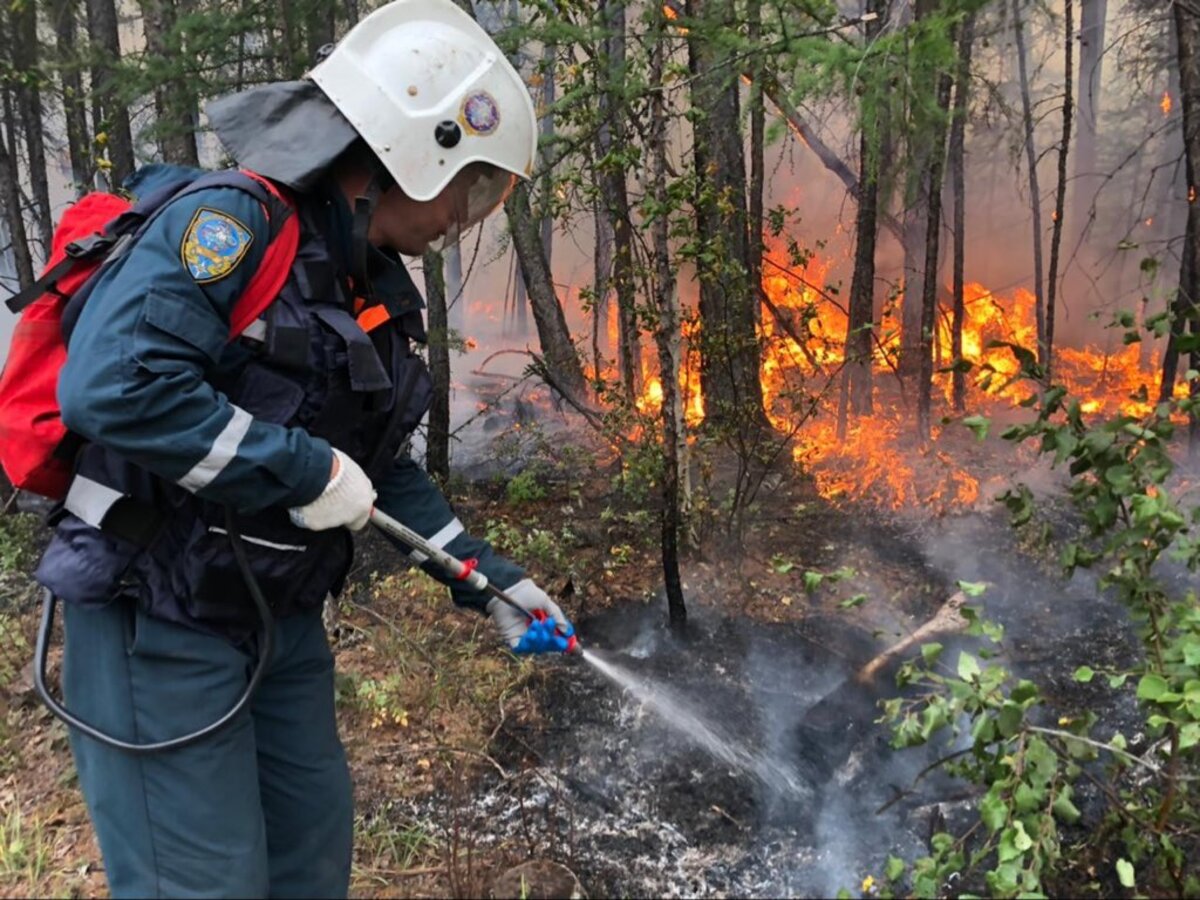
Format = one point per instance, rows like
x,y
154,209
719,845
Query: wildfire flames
x,y
803,339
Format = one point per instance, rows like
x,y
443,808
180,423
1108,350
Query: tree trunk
x,y
437,447
559,352
29,100
456,300
611,145
958,129
10,194
294,46
1035,197
916,227
519,314
1091,66
173,99
1060,196
1187,30
857,388
602,281
668,338
758,119
74,108
729,351
929,292
110,117
320,24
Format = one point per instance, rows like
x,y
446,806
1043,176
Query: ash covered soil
x,y
640,805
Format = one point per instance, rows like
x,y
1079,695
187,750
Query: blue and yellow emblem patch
x,y
213,245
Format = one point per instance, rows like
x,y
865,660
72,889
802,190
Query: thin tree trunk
x,y
519,314
74,108
456,301
929,293
173,99
611,145
1187,29
10,194
1060,197
758,118
29,97
916,228
602,282
729,351
555,339
320,25
110,116
857,383
1181,307
668,338
1035,197
1091,69
437,452
958,129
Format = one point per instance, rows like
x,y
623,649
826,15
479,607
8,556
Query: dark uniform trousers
x,y
263,808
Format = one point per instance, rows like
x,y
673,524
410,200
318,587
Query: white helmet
x,y
430,92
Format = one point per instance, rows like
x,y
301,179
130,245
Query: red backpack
x,y
35,449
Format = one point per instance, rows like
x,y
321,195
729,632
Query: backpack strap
x,y
268,280
82,250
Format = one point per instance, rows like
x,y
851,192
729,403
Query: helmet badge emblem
x,y
480,114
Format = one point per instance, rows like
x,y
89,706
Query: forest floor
x,y
441,723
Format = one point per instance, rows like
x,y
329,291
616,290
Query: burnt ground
x,y
467,761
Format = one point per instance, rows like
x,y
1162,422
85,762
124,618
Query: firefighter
x,y
409,131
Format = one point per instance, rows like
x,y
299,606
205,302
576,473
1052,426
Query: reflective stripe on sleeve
x,y
221,454
90,500
448,533
445,535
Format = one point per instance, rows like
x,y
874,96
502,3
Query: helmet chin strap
x,y
360,246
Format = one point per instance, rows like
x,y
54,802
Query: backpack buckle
x,y
90,246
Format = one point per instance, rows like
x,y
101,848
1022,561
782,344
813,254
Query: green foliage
x,y
1028,794
24,850
18,541
526,487
540,548
1120,482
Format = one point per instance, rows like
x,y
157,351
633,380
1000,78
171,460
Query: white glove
x,y
513,626
347,499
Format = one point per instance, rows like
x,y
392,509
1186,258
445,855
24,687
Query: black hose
x,y
265,642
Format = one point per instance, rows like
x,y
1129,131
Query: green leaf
x,y
1116,681
1189,735
1008,850
930,652
968,667
856,600
993,811
1009,719
1151,687
812,581
979,425
1084,674
1065,810
972,588
1027,799
895,868
1021,840
1125,873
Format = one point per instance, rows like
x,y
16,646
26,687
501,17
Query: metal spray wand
x,y
460,570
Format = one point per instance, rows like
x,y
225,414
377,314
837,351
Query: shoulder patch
x,y
213,245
